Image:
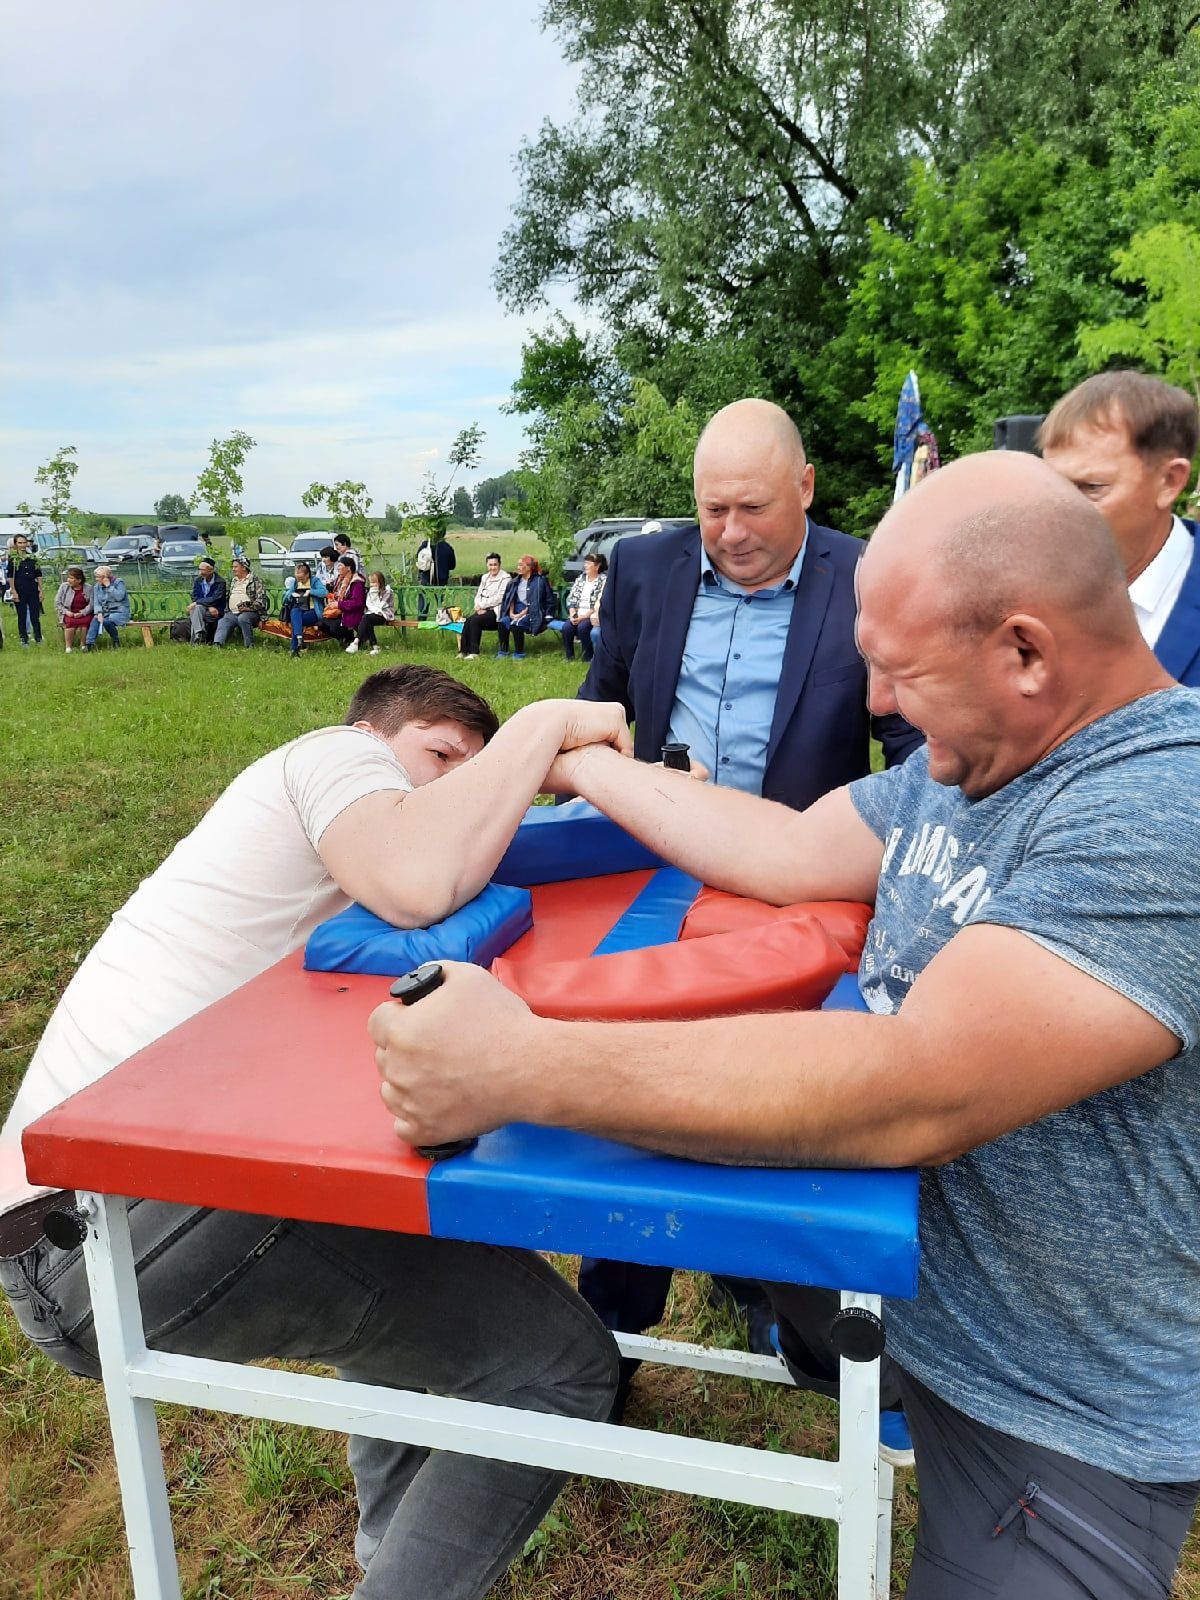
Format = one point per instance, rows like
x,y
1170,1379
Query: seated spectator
x,y
210,595
343,548
303,601
326,567
583,608
73,603
380,607
248,604
346,604
110,607
525,608
488,598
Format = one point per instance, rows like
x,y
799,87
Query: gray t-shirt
x,y
1059,1293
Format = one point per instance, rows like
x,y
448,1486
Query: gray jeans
x,y
202,624
233,621
468,1320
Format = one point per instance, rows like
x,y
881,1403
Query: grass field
x,y
109,761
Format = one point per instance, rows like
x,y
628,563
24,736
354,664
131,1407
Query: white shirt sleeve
x,y
326,771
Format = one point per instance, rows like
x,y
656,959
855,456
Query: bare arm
x,y
996,1033
731,840
414,857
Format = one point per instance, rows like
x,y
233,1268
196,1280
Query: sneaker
x,y
352,648
501,655
374,650
895,1441
470,656
518,655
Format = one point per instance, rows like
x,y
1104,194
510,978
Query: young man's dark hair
x,y
1159,419
399,695
494,555
342,539
328,553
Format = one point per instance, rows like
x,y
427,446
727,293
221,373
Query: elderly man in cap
x,y
246,606
1033,1042
210,596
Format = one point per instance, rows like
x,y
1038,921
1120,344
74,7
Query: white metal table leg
x,y
121,1340
883,1553
858,1462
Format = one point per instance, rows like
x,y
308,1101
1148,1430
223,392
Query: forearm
x,y
801,1089
450,835
735,841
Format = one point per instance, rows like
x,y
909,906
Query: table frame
x,y
855,1491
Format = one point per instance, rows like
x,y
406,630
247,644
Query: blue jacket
x,y
820,736
111,604
537,600
218,595
1178,647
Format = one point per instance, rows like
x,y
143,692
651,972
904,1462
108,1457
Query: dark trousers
x,y
505,627
29,619
474,627
1001,1518
629,1298
582,630
365,632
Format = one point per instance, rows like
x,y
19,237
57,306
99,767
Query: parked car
x,y
179,555
271,556
130,547
71,555
599,537
177,532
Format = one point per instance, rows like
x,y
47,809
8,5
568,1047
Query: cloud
x,y
276,217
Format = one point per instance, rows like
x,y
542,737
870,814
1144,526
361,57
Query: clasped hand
x,y
439,1081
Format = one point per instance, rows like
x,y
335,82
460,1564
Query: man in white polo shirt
x,y
1127,442
343,813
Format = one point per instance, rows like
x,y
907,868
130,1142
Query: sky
x,y
275,215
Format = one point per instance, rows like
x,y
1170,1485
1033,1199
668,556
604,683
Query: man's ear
x,y
1173,480
1035,652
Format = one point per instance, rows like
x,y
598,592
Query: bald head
x,y
750,431
753,489
993,614
1001,533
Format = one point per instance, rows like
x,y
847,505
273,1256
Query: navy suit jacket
x,y
1178,647
821,729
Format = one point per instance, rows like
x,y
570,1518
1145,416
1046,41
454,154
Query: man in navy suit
x,y
736,636
1127,442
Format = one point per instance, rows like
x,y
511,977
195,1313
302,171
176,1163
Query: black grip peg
x,y
857,1334
65,1227
414,986
676,756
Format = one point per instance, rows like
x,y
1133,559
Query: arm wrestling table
x,y
218,1113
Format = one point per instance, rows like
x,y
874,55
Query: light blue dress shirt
x,y
732,660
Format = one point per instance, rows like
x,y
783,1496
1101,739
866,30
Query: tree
x,y
1166,335
348,504
430,516
30,520
393,519
56,476
462,509
219,486
172,508
810,114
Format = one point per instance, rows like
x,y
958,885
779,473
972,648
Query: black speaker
x,y
1017,433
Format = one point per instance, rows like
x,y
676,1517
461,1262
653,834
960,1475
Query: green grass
x,y
109,761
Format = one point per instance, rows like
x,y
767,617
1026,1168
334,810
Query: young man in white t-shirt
x,y
344,813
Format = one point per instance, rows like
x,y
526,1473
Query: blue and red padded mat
x,y
268,1102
